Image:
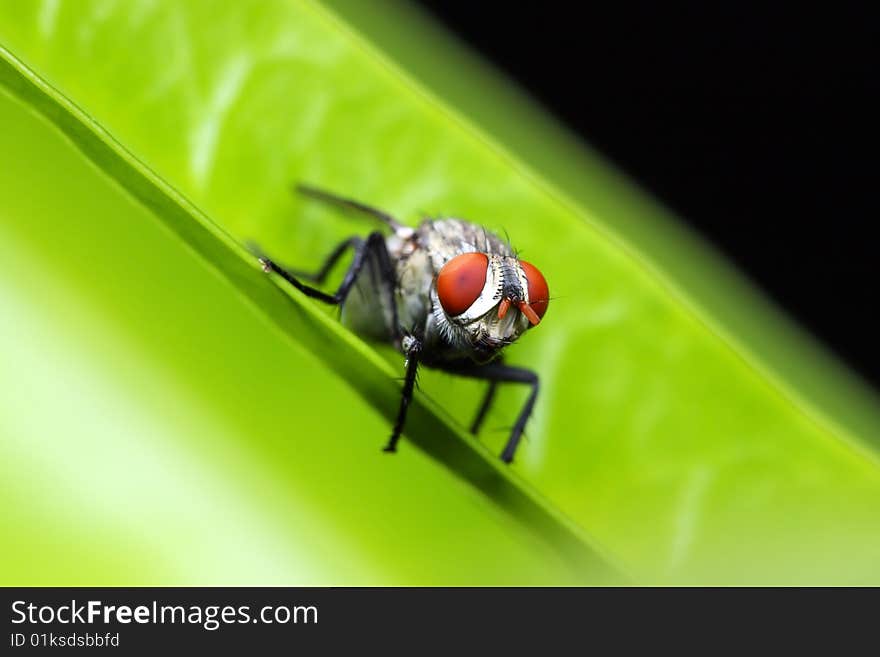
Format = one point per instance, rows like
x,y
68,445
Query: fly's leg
x,y
499,373
320,275
484,407
330,261
412,348
374,245
486,404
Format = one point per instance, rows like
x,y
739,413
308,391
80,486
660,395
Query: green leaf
x,y
565,556
147,411
665,437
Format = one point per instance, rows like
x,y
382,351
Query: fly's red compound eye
x,y
539,293
461,280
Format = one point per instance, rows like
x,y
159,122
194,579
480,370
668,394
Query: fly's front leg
x,y
412,348
499,373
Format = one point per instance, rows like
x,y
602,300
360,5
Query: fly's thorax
x,y
443,239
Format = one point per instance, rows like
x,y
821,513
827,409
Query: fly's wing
x,y
367,309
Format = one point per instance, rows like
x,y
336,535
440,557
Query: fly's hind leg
x,y
320,275
373,246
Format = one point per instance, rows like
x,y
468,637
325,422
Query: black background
x,y
756,122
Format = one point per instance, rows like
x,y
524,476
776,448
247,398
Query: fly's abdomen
x,y
414,279
367,309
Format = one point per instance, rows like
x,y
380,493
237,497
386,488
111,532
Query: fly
x,y
448,294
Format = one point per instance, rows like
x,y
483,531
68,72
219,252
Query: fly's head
x,y
483,302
